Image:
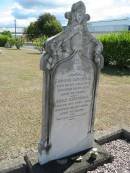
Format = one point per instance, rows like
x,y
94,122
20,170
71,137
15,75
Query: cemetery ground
x,y
20,100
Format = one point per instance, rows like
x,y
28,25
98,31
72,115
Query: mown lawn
x,y
20,100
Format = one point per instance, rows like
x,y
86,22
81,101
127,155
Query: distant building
x,y
107,26
97,27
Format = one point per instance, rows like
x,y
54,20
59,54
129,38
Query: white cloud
x,y
6,18
26,11
23,16
22,13
25,22
103,9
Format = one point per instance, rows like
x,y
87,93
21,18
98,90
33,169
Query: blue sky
x,y
26,11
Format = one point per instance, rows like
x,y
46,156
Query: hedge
x,y
116,49
3,40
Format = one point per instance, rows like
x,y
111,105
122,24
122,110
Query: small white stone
x,y
79,158
95,149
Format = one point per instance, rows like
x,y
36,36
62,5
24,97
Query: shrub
x,y
19,42
11,41
116,49
7,33
3,40
39,42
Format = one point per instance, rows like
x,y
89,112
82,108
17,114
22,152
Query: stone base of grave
x,y
73,166
31,165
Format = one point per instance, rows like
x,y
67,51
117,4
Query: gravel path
x,y
120,149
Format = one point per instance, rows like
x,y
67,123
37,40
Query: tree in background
x,y
8,41
46,24
4,37
7,33
32,30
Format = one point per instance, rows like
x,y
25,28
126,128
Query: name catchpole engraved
x,y
71,62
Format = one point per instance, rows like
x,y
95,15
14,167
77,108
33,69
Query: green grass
x,y
20,100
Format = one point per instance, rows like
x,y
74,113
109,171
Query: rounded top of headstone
x,y
77,14
78,6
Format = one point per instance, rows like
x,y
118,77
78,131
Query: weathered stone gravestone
x,y
7,45
71,62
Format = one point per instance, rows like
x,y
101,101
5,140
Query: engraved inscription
x,y
73,91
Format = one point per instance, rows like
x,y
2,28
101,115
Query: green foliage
x,y
19,42
7,33
32,30
52,28
11,41
46,24
3,40
39,42
116,49
8,41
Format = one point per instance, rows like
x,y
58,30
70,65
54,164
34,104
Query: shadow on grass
x,y
115,71
34,53
12,48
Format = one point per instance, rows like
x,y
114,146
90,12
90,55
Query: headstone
x,y
71,63
7,45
